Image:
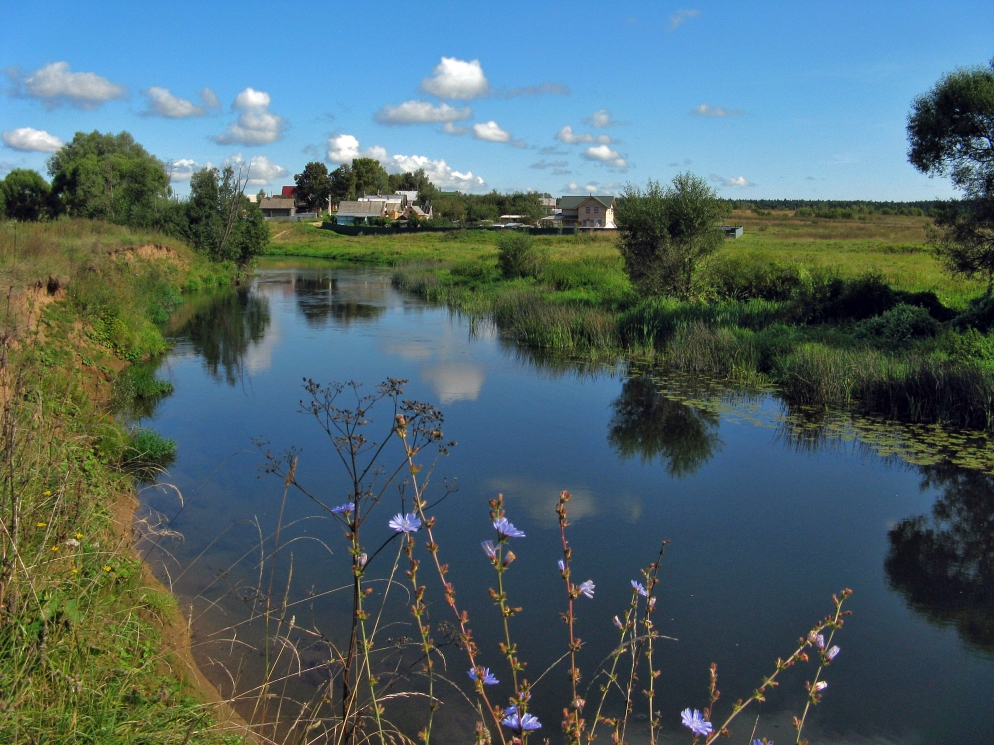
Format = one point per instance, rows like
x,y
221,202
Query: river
x,y
764,525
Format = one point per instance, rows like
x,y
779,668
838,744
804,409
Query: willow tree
x,y
666,232
951,133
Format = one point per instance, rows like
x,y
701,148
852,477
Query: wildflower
x,y
819,641
652,603
74,571
506,529
47,493
821,685
489,550
72,543
41,525
55,548
508,558
617,622
562,565
637,586
696,723
363,559
408,523
488,678
587,588
79,536
832,653
342,509
107,568
519,722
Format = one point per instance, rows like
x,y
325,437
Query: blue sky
x,y
767,100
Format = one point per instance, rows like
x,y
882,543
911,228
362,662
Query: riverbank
x,y
850,313
92,649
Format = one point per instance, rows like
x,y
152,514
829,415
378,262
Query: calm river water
x,y
762,530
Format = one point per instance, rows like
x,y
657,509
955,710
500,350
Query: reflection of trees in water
x,y
943,563
649,425
319,301
224,326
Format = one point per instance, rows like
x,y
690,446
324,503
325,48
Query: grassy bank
x,y
854,313
90,649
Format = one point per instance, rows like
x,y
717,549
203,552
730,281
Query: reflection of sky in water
x,y
761,533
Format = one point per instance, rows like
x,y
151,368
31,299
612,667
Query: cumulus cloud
x,y
567,135
183,169
210,99
555,164
740,181
457,79
681,17
491,132
345,147
260,169
31,140
604,154
163,103
575,187
600,119
421,112
56,83
706,109
256,125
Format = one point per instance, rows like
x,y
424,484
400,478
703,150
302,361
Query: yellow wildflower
x,y
42,525
107,569
55,548
74,571
79,536
47,493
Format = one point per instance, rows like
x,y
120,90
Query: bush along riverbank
x,y
91,649
821,336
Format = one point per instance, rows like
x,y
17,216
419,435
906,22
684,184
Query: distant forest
x,y
837,207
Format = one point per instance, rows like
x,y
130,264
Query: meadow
x,y
842,312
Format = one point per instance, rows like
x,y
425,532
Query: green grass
x,y
83,652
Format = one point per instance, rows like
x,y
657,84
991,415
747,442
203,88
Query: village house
x,y
278,207
587,212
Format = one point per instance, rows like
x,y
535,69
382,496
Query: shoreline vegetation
x,y
94,649
850,312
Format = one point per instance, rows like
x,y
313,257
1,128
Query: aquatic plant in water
x,y
367,674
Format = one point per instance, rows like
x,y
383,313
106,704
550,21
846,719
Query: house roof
x,y
418,211
572,202
289,192
276,203
360,209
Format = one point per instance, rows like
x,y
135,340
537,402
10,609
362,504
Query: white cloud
x,y
567,135
183,169
210,99
421,112
163,103
456,129
599,119
256,125
259,169
457,79
604,154
491,132
31,140
681,17
590,188
545,164
344,148
706,109
740,181
55,83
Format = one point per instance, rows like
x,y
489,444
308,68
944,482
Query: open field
x,y
892,245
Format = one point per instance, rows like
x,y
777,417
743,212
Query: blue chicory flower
x,y
519,722
637,586
562,565
343,509
488,678
833,652
696,723
489,550
587,588
409,523
506,529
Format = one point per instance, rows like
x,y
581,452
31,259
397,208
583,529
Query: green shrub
x,y
738,279
148,446
517,255
898,326
979,316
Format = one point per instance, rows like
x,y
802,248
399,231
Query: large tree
x,y
313,187
222,222
108,177
951,133
666,232
24,195
342,183
370,176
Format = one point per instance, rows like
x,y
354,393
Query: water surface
x,y
764,526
